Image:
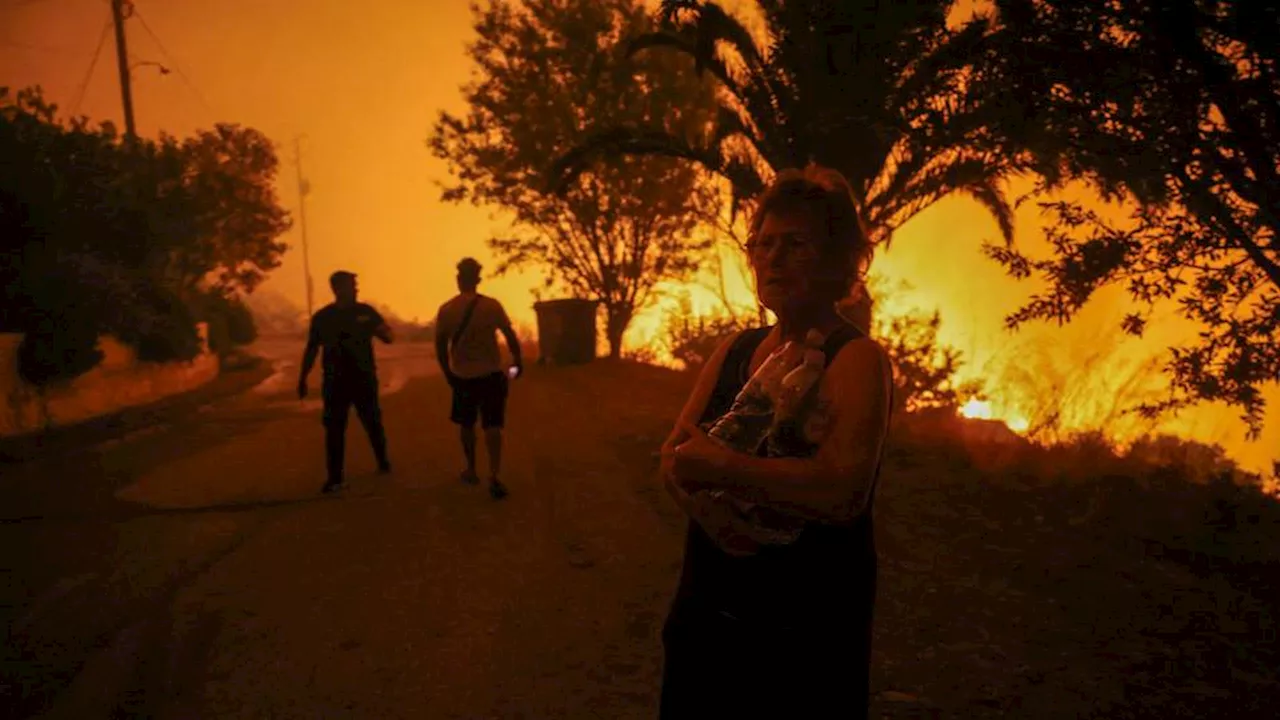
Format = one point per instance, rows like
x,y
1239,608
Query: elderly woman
x,y
785,631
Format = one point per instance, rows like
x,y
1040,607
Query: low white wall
x,y
119,381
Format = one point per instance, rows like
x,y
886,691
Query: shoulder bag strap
x,y
466,320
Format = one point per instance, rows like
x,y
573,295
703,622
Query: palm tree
x,y
909,110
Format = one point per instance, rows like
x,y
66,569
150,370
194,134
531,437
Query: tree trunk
x,y
617,319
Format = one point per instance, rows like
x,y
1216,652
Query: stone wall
x,y
119,381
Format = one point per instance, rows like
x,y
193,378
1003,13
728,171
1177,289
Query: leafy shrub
x,y
218,334
113,235
230,322
1190,459
171,340
83,294
240,325
58,301
158,325
51,355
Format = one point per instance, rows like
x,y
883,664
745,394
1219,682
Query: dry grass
x,y
1094,389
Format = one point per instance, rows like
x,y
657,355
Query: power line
x,y
93,63
172,63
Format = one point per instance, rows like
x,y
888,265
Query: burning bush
x,y
924,368
691,339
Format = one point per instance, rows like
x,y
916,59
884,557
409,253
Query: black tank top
x,y
825,578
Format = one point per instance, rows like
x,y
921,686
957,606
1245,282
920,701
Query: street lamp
x,y
144,63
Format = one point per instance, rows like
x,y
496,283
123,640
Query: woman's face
x,y
788,264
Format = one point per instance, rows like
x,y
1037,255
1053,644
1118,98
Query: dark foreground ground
x,y
189,569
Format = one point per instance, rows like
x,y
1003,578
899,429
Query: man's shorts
x,y
485,396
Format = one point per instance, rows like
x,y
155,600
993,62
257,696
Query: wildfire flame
x,y
981,410
977,409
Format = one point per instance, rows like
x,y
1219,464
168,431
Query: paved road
x,y
192,570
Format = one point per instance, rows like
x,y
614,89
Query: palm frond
x,y
731,125
903,164
988,193
745,183
976,175
669,9
617,142
906,123
759,88
704,63
710,24
930,73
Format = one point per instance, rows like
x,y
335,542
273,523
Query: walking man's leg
x,y
337,402
463,413
493,410
369,411
493,444
468,433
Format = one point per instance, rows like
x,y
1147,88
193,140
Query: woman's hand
x,y
689,464
696,463
725,527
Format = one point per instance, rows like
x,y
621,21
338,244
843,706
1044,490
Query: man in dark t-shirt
x,y
345,330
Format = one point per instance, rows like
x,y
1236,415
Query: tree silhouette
x,y
230,176
1185,125
545,70
905,107
190,212
101,235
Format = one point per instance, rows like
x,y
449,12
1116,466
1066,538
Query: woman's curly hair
x,y
822,193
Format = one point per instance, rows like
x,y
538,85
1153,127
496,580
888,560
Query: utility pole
x,y
122,59
304,188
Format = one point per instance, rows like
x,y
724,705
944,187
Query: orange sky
x,y
364,81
